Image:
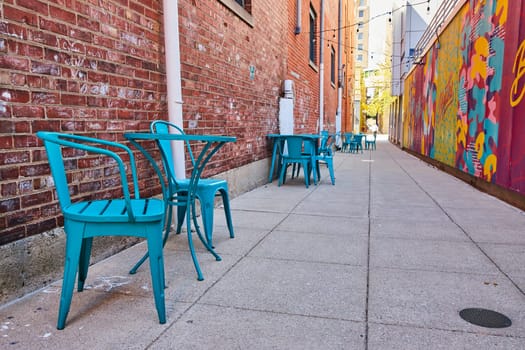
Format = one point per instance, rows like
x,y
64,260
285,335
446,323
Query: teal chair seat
x,y
114,210
85,219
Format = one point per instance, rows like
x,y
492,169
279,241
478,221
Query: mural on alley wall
x,y
447,99
482,52
463,104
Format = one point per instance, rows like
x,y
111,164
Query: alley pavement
x,y
385,259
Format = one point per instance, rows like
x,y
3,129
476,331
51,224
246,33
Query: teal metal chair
x,y
370,141
300,151
357,143
86,219
327,143
347,139
207,189
325,155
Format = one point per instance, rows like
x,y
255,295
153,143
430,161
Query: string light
x,y
389,13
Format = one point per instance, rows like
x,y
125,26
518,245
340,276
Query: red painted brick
x,y
20,15
13,30
76,100
14,63
39,125
6,142
60,13
28,111
23,141
53,26
34,170
43,38
45,68
81,35
45,98
12,234
34,5
9,205
14,96
35,199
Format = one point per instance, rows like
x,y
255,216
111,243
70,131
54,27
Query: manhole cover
x,y
485,318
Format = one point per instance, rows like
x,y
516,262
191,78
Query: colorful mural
x,y
482,51
464,105
448,93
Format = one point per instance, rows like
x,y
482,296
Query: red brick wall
x,y
218,50
97,67
306,76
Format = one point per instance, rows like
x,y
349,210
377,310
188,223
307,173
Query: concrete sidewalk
x,y
385,259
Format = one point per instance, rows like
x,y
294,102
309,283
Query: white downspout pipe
x,y
173,78
340,70
321,70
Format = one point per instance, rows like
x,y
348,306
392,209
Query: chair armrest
x,y
78,142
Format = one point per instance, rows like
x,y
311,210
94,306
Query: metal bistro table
x,y
278,144
172,198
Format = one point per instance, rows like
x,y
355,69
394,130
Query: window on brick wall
x,y
242,8
332,65
313,20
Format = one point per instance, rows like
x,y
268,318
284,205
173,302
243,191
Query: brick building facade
x,y
98,68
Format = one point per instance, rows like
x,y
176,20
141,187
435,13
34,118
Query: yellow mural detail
x,y
502,7
489,168
517,91
461,130
447,86
479,58
480,140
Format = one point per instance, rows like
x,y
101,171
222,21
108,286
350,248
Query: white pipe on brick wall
x,y
340,70
173,78
321,69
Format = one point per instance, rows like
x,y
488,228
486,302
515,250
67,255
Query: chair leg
x,y
306,174
85,254
282,175
207,216
200,277
330,165
181,213
73,247
157,272
164,240
227,212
